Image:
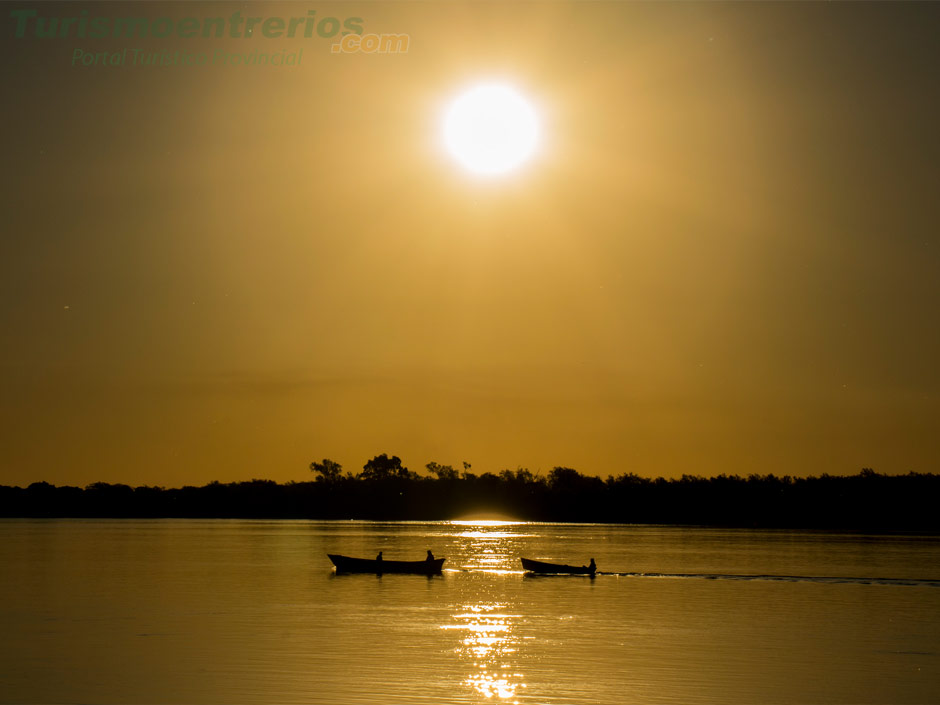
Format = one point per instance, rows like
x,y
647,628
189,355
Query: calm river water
x,y
174,611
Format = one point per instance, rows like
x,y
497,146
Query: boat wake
x,y
908,582
821,579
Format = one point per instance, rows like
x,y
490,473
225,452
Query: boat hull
x,y
345,564
555,568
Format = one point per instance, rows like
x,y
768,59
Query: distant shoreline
x,y
864,502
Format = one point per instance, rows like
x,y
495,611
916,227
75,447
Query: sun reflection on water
x,y
488,643
488,535
487,546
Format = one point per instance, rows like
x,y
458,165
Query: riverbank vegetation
x,y
386,490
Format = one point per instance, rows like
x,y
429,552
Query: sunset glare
x,y
491,129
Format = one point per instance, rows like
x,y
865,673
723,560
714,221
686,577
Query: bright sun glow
x,y
491,129
485,522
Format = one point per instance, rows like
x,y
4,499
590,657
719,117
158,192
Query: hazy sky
x,y
723,258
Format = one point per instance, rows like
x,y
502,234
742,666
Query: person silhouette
x,y
379,557
593,566
430,555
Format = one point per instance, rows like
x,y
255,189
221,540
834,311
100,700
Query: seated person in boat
x,y
430,555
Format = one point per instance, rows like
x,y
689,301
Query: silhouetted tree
x,y
443,472
520,476
561,477
381,467
466,474
329,470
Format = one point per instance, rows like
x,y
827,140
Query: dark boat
x,y
345,564
557,568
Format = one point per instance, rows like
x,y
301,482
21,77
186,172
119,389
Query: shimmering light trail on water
x,y
488,645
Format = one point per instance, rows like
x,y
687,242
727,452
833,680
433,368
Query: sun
x,y
491,129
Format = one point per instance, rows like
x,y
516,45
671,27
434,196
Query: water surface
x,y
120,611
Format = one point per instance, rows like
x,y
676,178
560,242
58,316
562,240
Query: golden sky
x,y
723,258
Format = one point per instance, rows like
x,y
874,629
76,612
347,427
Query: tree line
x,y
386,490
